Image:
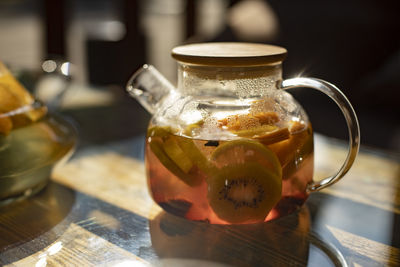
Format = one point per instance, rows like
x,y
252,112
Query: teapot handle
x,y
351,119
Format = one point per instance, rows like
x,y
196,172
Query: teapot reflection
x,y
280,242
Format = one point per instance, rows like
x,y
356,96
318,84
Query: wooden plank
x,y
79,247
377,253
372,180
111,177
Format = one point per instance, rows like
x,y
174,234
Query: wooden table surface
x,y
96,211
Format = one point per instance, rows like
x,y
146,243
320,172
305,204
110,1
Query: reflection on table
x,y
97,211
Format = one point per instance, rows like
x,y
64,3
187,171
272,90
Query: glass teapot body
x,y
228,145
222,122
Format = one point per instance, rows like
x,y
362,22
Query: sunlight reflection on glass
x,y
130,263
49,65
65,68
42,262
55,248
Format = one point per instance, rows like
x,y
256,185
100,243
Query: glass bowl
x,y
28,155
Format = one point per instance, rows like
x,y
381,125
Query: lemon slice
x,y
156,147
191,127
196,156
243,150
175,153
160,131
244,193
166,147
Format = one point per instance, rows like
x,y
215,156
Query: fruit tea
x,y
252,174
28,154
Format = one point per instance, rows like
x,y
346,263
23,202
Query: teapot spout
x,y
148,86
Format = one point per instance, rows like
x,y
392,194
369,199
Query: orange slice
x,y
266,134
247,121
5,125
261,126
299,143
17,107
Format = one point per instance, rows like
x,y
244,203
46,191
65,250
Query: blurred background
x,y
354,44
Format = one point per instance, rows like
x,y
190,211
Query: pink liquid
x,y
191,199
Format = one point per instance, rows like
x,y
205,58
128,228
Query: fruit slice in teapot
x,y
299,144
244,193
156,147
261,126
245,150
174,152
196,155
191,128
266,134
178,154
17,106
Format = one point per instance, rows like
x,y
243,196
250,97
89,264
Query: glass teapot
x,y
229,145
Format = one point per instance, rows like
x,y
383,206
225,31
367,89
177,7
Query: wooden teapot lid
x,y
229,54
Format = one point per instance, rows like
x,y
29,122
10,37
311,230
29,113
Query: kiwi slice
x,y
245,150
244,193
